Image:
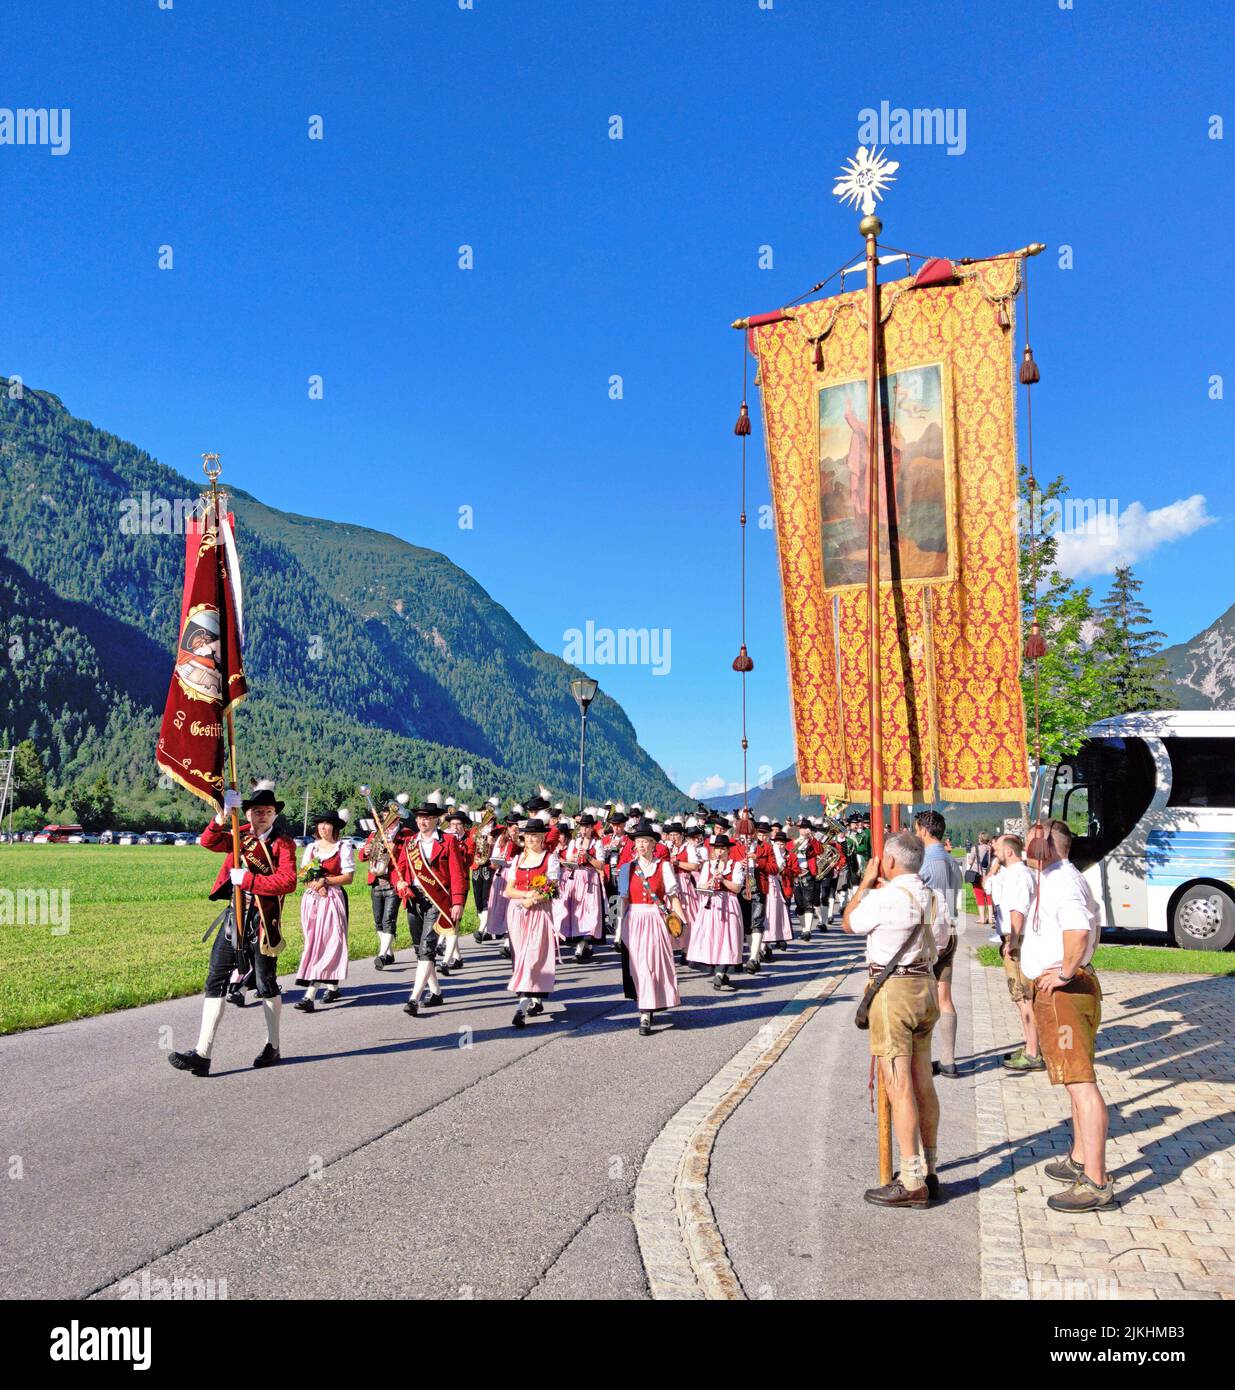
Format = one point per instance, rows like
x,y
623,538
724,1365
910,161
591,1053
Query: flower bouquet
x,y
544,887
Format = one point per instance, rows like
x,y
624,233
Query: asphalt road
x,y
449,1156
790,1166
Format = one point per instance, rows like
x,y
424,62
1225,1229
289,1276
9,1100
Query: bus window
x,y
1202,771
1102,792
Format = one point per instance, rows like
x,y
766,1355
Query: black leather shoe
x,y
379,962
331,996
267,1057
236,996
444,969
519,1021
724,985
645,1027
304,1005
751,967
457,964
951,1071
507,952
895,1194
191,1062
537,1006
412,1009
434,1000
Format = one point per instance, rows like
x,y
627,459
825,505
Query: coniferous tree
x,y
1133,674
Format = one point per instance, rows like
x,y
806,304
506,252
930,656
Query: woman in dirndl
x,y
533,937
648,888
326,869
581,914
778,930
716,937
689,856
501,861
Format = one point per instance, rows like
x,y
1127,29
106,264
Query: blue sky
x,y
490,388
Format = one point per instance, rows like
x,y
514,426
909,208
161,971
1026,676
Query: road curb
x,y
680,1243
1001,1246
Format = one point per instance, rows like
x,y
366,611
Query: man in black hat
x,y
429,876
383,896
265,875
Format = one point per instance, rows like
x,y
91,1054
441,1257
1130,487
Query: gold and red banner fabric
x,y
208,676
953,718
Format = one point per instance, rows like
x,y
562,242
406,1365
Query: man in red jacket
x,y
265,875
430,878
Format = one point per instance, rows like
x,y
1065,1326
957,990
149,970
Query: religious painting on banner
x,y
953,718
208,675
915,508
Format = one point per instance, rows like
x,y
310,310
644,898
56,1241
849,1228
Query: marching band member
x,y
533,938
751,900
501,860
805,849
429,877
480,842
457,823
648,885
383,897
266,874
777,871
716,937
582,892
326,869
685,857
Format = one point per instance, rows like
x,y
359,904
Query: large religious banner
x,y
953,718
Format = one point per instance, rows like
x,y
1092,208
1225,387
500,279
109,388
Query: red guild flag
x,y
208,678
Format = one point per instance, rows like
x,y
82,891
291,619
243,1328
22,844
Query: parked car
x,y
128,838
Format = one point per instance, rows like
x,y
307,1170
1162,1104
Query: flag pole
x,y
870,227
212,469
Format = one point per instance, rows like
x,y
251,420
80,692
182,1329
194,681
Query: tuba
x,y
829,858
383,825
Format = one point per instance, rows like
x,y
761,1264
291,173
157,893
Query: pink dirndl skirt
x,y
588,903
650,952
324,922
534,943
716,936
776,925
499,904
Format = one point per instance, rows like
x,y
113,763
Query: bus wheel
x,y
1204,918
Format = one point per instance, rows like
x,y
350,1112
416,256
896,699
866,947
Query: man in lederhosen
x,y
265,875
429,877
381,892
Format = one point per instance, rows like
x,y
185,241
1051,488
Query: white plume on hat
x,y
518,810
692,822
403,798
494,801
262,784
450,801
620,808
557,806
434,798
345,814
542,790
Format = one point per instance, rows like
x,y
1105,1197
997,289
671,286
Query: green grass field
x,y
134,926
1147,960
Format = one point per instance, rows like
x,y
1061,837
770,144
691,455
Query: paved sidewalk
x,y
1166,1067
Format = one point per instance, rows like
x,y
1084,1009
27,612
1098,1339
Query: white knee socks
x,y
274,1010
385,940
212,1011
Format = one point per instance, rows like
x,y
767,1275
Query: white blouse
x,y
345,850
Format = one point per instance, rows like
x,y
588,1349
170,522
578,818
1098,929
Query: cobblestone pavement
x,y
1167,1070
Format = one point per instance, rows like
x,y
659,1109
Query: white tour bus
x,y
1151,802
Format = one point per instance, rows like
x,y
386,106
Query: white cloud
x,y
708,787
1103,542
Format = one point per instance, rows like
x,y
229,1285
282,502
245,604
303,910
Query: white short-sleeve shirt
x,y
1063,904
886,916
1012,890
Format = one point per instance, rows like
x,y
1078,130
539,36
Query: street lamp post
x,y
584,689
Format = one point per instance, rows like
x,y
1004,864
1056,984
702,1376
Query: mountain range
x,y
369,659
1203,669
